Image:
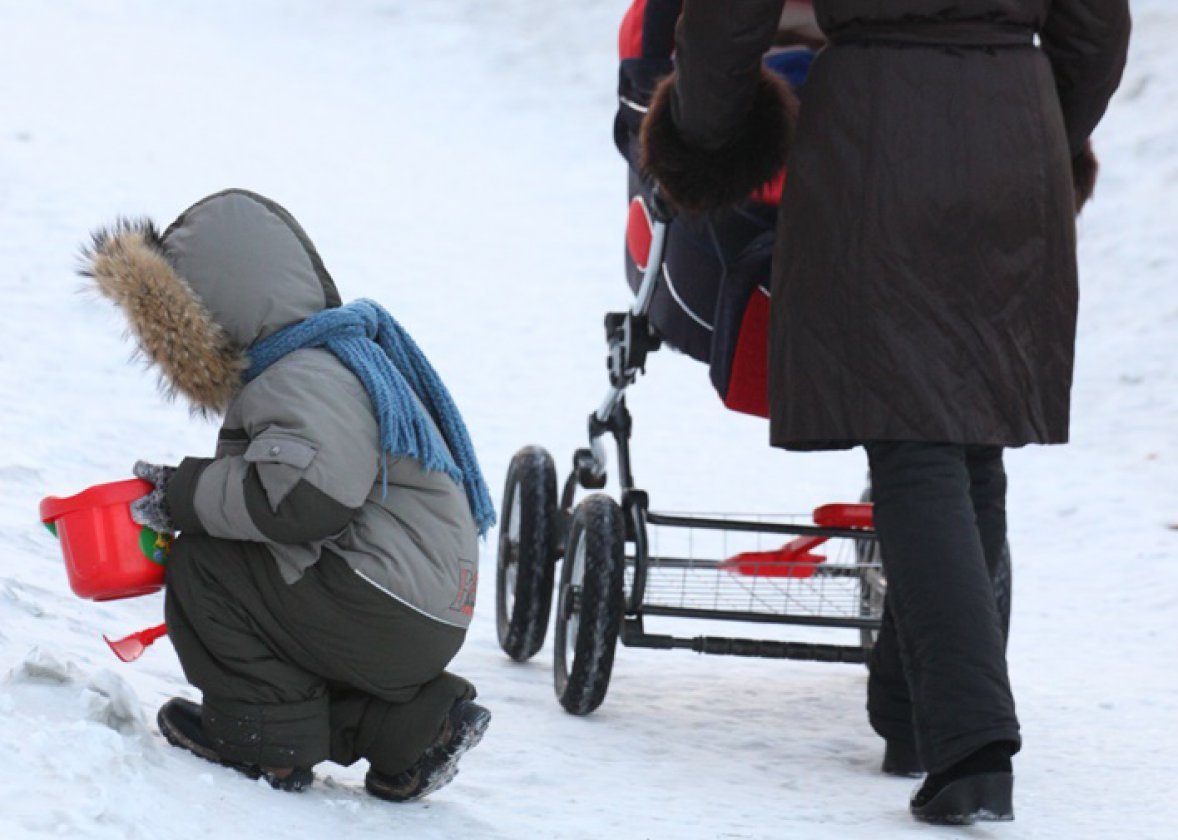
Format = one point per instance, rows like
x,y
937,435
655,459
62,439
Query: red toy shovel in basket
x,y
794,559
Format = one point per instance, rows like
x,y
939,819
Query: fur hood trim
x,y
700,180
174,330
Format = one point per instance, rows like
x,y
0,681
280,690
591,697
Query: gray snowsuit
x,y
315,611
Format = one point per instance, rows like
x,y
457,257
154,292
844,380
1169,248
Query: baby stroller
x,y
700,287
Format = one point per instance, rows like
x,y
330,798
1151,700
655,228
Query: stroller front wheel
x,y
590,605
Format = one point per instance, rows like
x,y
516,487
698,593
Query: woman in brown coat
x,y
924,301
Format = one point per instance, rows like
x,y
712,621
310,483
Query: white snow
x,y
454,161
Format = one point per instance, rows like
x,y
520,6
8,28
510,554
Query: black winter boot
x,y
979,787
900,759
462,730
179,722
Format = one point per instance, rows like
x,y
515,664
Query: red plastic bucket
x,y
107,554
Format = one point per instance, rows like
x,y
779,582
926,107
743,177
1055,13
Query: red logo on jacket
x,y
468,588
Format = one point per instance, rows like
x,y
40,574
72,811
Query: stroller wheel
x,y
590,605
872,589
523,580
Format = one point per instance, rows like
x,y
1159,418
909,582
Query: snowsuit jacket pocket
x,y
281,462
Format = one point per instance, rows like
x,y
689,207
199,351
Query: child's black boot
x,y
180,723
462,730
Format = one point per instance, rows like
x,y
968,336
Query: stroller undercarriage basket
x,y
752,575
622,562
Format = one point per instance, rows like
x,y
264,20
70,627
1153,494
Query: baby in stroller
x,y
711,300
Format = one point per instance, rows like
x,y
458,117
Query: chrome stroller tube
x,y
630,339
641,305
654,264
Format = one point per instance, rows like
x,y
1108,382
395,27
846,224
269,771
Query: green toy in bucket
x,y
107,554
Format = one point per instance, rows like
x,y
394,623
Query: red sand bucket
x,y
107,554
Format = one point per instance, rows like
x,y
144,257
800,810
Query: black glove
x,y
152,509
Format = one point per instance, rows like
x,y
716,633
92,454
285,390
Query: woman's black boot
x,y
979,787
900,759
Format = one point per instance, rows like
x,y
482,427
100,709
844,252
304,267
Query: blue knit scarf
x,y
399,380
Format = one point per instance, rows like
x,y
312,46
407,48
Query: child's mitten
x,y
152,509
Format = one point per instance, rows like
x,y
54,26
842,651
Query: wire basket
x,y
758,575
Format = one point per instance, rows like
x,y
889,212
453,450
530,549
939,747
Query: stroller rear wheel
x,y
524,572
873,585
590,605
872,589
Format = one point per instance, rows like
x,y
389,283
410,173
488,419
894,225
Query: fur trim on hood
x,y
173,328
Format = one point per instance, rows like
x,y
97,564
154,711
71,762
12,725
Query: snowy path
x,y
454,161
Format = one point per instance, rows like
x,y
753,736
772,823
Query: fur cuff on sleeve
x,y
1084,169
696,180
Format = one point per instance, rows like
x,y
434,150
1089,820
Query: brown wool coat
x,y
925,276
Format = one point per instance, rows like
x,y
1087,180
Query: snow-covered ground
x,y
454,161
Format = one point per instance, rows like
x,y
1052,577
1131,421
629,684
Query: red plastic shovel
x,y
792,560
130,648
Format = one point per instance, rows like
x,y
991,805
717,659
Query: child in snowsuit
x,y
325,571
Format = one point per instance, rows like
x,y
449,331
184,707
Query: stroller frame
x,y
603,592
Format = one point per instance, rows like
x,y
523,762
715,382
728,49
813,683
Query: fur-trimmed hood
x,y
232,269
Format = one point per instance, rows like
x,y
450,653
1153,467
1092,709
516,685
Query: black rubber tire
x,y
872,587
596,554
526,560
